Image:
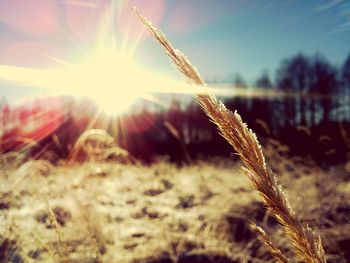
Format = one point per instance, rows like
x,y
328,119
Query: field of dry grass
x,y
109,212
93,208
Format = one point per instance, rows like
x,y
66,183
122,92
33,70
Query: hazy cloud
x,y
340,9
328,5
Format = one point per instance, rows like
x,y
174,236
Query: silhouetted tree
x,y
294,74
238,81
346,73
262,106
324,76
264,81
324,82
345,79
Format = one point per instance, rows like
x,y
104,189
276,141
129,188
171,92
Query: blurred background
x,y
283,65
102,139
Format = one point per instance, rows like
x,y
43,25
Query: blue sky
x,y
220,37
255,35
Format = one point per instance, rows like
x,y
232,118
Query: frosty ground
x,y
109,212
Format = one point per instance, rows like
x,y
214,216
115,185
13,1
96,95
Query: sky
x,y
220,37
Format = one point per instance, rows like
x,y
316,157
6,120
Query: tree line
x,y
312,103
311,114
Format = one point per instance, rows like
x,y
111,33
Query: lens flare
x,y
110,77
108,73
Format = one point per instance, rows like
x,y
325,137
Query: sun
x,y
108,73
111,78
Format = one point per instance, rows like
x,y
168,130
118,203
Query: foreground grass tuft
x,y
308,246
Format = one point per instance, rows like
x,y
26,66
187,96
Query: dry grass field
x,y
110,212
102,205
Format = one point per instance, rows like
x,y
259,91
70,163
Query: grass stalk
x,y
276,253
306,244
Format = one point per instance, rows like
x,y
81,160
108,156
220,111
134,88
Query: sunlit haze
x,y
107,72
221,38
178,131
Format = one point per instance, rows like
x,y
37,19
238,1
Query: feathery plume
x,y
276,253
230,125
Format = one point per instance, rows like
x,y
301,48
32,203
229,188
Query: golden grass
x,y
112,217
98,145
307,245
278,255
174,132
